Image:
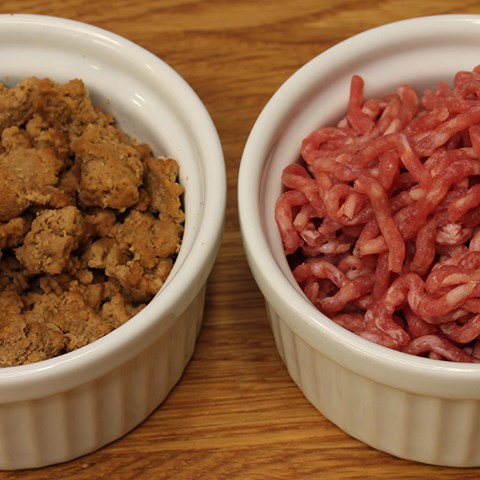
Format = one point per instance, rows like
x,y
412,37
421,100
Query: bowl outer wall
x,y
156,105
411,51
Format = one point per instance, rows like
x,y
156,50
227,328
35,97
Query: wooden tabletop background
x,y
236,413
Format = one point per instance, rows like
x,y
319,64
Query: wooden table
x,y
236,413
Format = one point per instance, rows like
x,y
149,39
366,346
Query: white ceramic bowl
x,y
415,408
61,408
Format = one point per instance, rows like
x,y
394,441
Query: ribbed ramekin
x,y
58,409
415,408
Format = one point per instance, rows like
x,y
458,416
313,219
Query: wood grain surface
x,y
235,413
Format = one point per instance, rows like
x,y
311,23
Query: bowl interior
x,y
419,52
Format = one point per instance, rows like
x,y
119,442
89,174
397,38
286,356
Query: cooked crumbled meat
x,y
13,231
99,222
110,169
52,238
27,175
162,188
138,253
23,338
90,221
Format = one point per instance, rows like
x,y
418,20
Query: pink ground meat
x,y
380,219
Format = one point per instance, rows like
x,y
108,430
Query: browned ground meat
x,y
90,221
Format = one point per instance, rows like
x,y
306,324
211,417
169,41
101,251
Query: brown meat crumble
x,y
90,221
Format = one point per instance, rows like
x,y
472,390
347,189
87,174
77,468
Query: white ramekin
x,y
415,408
59,409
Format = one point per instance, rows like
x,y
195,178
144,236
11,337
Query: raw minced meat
x,y
380,219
